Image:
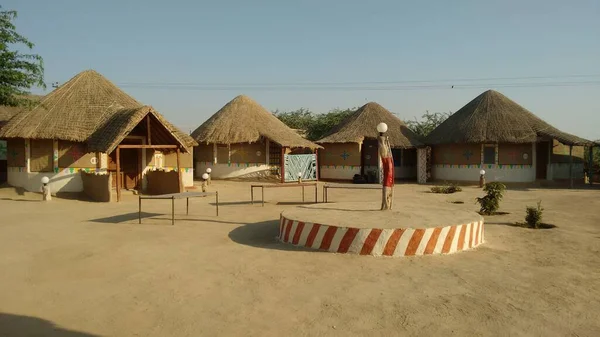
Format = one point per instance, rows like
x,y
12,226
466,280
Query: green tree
x,y
595,156
315,125
18,71
427,123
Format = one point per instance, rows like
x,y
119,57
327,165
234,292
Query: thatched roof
x,y
85,106
7,112
243,120
493,118
363,124
120,124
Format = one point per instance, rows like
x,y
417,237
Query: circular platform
x,y
361,228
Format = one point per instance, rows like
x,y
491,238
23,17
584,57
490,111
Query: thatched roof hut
x,y
88,108
7,112
494,118
363,124
243,120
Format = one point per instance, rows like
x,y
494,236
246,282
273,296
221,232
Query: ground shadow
x,y
13,199
125,217
232,203
21,326
520,225
494,213
342,209
295,203
263,235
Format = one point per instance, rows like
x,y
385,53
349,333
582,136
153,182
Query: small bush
x,y
491,201
534,215
446,189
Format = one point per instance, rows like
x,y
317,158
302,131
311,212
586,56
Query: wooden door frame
x,y
547,155
140,166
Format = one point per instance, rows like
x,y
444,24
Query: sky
x,y
189,58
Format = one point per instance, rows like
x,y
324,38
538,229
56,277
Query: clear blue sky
x,y
218,43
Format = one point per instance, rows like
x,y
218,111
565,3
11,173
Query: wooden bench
x,y
350,187
263,186
173,196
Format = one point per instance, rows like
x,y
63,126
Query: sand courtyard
x,y
76,268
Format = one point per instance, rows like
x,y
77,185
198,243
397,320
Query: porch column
x,y
591,164
421,165
27,156
317,168
534,161
118,173
282,164
55,156
267,152
179,169
570,166
215,153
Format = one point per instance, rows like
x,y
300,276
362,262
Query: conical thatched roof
x,y
242,120
80,108
7,112
363,124
493,118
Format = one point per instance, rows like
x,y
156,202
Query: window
x,y
489,154
41,155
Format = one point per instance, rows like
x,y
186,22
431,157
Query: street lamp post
x,y
387,165
46,193
481,178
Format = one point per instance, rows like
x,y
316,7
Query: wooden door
x,y
369,155
542,153
131,163
3,171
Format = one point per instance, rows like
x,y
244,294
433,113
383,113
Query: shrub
x,y
491,201
534,215
446,189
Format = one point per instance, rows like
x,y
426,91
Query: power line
x,y
367,88
455,80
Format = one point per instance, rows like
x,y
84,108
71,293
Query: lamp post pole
x,y
387,163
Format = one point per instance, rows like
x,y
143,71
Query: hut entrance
x,y
131,160
3,161
369,157
541,151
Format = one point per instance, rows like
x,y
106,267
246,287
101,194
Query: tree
x,y
18,72
428,122
315,125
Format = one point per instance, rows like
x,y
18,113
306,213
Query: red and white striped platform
x,y
360,228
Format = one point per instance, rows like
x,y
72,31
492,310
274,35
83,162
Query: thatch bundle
x,y
363,124
493,118
85,106
243,120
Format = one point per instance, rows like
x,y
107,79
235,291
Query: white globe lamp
x,y
382,127
46,194
481,178
205,176
208,170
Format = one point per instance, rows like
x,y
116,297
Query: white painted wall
x,y
405,172
59,182
561,171
339,173
223,171
348,172
505,174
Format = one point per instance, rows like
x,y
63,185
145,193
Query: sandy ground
x,y
73,268
365,214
